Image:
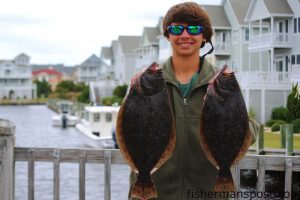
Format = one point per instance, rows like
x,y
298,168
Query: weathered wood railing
x,y
10,154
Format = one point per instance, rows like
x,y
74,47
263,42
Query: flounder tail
x,y
224,181
144,188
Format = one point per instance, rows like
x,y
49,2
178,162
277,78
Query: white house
x,y
16,78
89,70
124,63
268,84
147,52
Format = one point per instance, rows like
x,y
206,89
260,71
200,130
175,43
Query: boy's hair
x,y
190,13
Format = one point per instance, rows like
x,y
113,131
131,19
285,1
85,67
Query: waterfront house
x,y
52,76
147,52
89,70
16,78
107,71
124,56
68,72
269,82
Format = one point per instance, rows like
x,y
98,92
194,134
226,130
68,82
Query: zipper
x,y
183,152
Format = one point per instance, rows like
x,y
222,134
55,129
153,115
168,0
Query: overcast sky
x,y
69,31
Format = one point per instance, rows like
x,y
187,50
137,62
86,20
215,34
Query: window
x,y
246,38
7,72
286,63
293,59
280,27
235,35
298,59
108,117
286,26
96,117
298,24
295,25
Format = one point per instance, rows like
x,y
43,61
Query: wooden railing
x,y
10,154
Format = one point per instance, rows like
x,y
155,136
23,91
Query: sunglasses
x,y
178,29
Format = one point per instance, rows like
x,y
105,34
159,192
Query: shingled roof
x,y
278,7
152,33
218,17
106,52
129,43
240,8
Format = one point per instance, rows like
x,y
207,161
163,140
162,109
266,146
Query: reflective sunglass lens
x,y
176,30
194,30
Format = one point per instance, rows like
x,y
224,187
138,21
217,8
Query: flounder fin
x,y
121,141
143,190
225,183
168,151
206,149
247,143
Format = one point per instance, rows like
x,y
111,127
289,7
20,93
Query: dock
x,y
9,154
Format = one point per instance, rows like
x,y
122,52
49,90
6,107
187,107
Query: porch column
x,y
7,144
263,104
260,52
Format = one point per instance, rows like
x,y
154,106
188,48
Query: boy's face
x,y
185,44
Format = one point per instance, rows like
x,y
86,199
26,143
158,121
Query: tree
x,y
43,88
66,85
120,91
85,94
293,103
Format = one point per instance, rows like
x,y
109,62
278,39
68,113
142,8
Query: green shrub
x,y
273,121
276,125
296,125
280,113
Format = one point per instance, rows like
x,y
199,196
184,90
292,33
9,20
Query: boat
x,y
98,124
64,117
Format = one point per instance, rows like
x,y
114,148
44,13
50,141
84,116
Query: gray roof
x,y
218,17
106,53
129,43
22,55
92,60
278,7
240,8
58,67
152,33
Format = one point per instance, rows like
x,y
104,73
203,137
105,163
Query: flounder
x,y
146,128
224,132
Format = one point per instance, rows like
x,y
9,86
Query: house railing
x,y
266,78
222,48
285,39
10,154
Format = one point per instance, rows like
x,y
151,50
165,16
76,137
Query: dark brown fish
x,y
224,133
146,129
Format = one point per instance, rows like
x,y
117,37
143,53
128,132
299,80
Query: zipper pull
x,y
184,102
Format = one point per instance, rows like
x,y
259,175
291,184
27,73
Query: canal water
x,y
34,129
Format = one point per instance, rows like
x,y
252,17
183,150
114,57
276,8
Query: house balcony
x,y
15,75
222,49
269,40
296,74
276,80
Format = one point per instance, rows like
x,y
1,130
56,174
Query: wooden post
x,y
260,140
7,144
288,128
282,136
107,175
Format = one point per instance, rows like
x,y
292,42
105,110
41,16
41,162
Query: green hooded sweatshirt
x,y
187,174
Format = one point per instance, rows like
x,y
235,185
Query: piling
x,y
7,144
288,131
260,140
282,136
